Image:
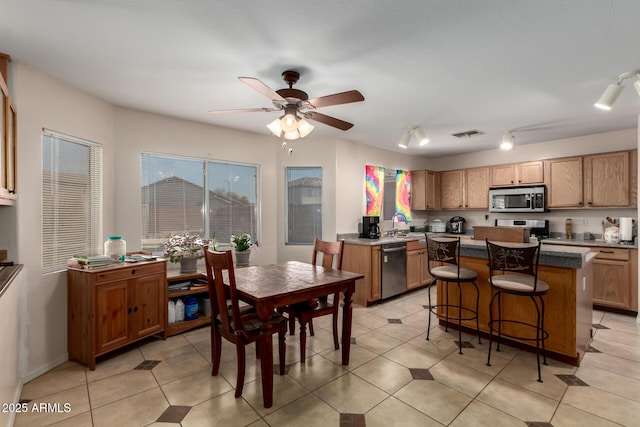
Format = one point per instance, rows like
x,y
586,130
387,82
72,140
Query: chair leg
x,y
477,312
336,343
459,319
430,309
446,314
311,327
282,347
240,354
216,351
544,353
292,324
499,321
490,327
303,340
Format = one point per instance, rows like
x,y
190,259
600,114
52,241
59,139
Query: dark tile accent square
x,y
420,374
147,365
538,424
352,420
600,326
398,321
572,380
465,344
353,340
174,414
593,350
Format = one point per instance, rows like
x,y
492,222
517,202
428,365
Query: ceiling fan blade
x,y
257,85
337,99
328,120
245,110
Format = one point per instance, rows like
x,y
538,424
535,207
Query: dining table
x,y
267,287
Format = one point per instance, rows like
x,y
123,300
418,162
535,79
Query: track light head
x,y
418,132
609,96
404,141
508,140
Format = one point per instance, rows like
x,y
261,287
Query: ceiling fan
x,y
297,107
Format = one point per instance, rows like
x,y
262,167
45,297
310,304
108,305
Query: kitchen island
x,y
568,305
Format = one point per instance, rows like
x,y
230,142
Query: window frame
x,y
287,241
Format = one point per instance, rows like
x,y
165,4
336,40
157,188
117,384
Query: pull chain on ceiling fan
x,y
297,107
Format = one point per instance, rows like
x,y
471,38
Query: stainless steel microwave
x,y
517,199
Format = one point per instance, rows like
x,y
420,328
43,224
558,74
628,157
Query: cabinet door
x,y
414,270
148,305
375,274
564,182
432,196
476,188
607,180
530,172
503,175
451,189
611,285
424,259
112,317
418,190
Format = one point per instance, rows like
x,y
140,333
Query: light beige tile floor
x,y
378,388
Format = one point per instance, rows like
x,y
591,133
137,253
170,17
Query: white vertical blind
x,y
71,199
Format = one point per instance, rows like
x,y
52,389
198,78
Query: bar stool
x,y
447,251
513,270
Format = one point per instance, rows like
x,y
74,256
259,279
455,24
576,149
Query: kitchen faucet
x,y
397,217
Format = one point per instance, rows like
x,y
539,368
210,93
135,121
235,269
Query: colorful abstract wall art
x,y
374,189
403,194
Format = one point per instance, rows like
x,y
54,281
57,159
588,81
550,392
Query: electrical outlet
x,y
585,221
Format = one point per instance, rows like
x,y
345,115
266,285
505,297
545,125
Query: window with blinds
x,y
71,199
198,196
304,205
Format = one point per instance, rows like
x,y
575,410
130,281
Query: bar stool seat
x,y
447,252
513,270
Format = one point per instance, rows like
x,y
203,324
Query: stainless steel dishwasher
x,y
393,269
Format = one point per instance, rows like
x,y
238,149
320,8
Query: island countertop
x,y
554,255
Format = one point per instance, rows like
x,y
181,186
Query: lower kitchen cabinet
x,y
110,307
363,259
417,271
615,278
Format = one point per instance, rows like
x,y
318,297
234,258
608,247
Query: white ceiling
x,y
534,67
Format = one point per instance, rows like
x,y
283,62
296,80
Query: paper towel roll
x,y
626,228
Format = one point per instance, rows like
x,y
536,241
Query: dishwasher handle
x,y
397,249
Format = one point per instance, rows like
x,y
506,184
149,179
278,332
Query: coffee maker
x,y
370,227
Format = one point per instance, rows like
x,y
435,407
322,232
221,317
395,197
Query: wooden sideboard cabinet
x,y
110,307
199,288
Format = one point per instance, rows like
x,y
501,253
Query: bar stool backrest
x,y
514,260
444,250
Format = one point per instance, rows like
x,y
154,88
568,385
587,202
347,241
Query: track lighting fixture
x,y
418,132
612,91
508,140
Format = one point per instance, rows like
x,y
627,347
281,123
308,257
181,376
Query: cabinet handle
x,y
133,271
129,310
606,252
135,308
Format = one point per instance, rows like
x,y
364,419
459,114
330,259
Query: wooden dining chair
x,y
306,311
240,327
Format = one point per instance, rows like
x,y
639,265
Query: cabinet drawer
x,y
612,253
130,272
415,245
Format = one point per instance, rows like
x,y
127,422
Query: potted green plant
x,y
242,247
186,249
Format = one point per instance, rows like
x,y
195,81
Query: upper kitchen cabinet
x,y
424,190
452,189
517,174
564,182
476,188
8,121
609,178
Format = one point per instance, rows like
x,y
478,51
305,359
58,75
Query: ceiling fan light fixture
x,y
507,140
294,134
304,128
275,127
609,96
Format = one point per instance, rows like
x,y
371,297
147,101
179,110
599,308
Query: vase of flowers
x,y
186,249
242,247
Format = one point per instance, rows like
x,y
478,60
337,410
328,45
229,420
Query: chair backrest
x,y
329,250
445,250
216,263
514,260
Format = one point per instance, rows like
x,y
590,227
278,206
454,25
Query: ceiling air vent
x,y
467,133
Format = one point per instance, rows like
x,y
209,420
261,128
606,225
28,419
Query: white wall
x,y
46,103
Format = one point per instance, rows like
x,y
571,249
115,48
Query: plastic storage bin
x,y
190,308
